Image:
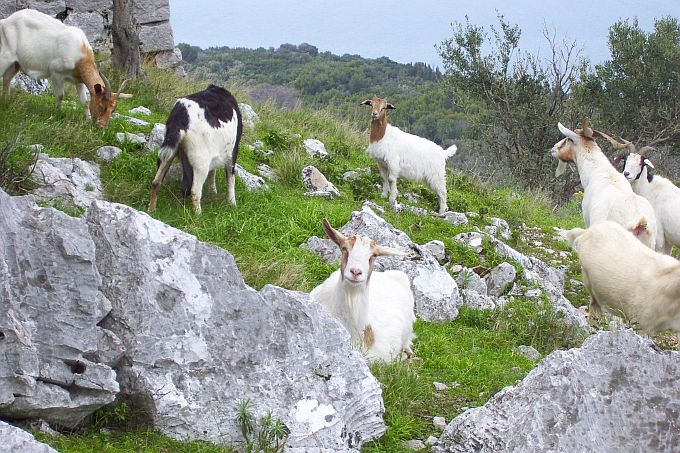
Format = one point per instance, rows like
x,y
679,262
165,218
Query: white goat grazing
x,y
375,307
43,47
625,277
661,193
607,195
203,130
399,153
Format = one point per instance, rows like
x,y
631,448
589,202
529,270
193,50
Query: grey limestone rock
x,y
108,153
435,292
252,182
315,147
16,440
198,341
250,117
155,37
615,393
69,180
500,279
156,137
316,183
455,218
50,308
469,279
29,85
137,138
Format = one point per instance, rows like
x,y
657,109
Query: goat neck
x,y
378,127
85,70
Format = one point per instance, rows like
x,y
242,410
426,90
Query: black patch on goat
x,y
218,105
178,121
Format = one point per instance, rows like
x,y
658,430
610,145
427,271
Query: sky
x,y
404,31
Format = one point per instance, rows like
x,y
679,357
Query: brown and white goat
x,y
606,193
42,47
400,154
375,307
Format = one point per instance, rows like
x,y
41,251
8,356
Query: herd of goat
x,y
632,217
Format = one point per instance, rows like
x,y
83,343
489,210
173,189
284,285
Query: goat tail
x,y
451,150
167,152
573,235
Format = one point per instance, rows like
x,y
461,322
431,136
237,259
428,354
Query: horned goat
x,y
375,307
42,47
400,154
203,130
627,278
606,193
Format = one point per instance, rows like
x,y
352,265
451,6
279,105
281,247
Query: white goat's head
x,y
379,107
358,255
635,164
565,150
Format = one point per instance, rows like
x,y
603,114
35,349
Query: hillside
x,y
475,354
292,75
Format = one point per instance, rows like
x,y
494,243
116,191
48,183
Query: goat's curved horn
x,y
645,149
586,131
615,144
122,85
567,132
107,85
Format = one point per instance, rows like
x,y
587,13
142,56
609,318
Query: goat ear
x,y
568,132
646,162
333,234
381,250
98,89
367,102
390,106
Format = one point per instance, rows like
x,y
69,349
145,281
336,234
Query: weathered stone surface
x,y
156,137
156,37
90,5
252,182
29,85
498,227
249,116
477,301
137,138
130,119
455,218
435,292
469,279
500,279
616,393
528,352
50,307
316,183
437,248
50,7
199,341
108,153
72,181
266,171
472,239
315,147
169,59
149,11
16,440
140,110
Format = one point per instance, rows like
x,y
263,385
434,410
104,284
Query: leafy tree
x,y
513,99
636,94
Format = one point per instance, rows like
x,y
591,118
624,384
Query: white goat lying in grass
x,y
399,153
43,47
375,307
625,277
606,193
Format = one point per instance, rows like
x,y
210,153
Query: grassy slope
x,y
264,233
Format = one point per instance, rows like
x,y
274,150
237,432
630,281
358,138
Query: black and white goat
x,y
203,130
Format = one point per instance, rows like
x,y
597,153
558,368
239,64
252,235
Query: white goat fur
x,y
375,307
43,47
400,154
663,195
607,194
625,277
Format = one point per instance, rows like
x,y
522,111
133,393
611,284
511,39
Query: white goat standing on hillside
x,y
627,278
607,195
375,307
399,153
43,47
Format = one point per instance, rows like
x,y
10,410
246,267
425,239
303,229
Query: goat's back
x,y
41,44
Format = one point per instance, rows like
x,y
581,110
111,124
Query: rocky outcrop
x,y
435,291
188,339
68,180
50,309
616,392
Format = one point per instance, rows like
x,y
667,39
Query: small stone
x,y
440,387
124,137
414,444
455,218
315,147
141,110
38,148
437,248
528,352
108,153
439,422
431,441
455,268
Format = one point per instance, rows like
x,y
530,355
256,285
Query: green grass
x,y
266,228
